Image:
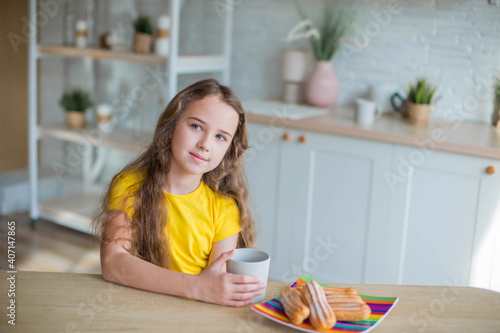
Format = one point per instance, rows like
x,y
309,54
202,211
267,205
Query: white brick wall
x,y
453,42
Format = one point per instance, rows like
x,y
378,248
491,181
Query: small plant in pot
x,y
143,37
421,100
75,102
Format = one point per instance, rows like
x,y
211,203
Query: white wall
x,y
453,42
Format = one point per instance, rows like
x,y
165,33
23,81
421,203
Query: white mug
x,y
366,111
251,262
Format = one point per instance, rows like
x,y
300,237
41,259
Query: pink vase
x,y
322,87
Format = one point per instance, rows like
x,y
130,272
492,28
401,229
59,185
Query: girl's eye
x,y
220,137
196,127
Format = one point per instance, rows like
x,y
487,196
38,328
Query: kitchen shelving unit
x,y
75,210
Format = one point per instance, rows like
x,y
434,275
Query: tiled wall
x,y
453,42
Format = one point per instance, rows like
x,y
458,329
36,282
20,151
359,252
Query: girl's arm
x,y
224,245
212,285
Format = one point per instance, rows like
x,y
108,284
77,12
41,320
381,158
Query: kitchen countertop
x,y
471,138
68,302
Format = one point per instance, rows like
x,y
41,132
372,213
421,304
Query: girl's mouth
x,y
198,158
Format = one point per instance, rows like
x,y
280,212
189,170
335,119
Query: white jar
x,y
162,41
103,113
81,34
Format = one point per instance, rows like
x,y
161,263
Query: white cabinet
x,y
334,195
316,200
444,219
355,211
262,169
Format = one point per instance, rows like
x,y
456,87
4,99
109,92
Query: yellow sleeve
x,y
227,220
121,196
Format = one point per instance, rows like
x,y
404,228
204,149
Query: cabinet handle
x,y
303,138
286,136
490,170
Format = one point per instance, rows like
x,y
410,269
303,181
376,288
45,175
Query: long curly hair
x,y
149,219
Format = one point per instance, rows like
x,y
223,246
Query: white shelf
x,y
185,64
74,52
74,211
120,138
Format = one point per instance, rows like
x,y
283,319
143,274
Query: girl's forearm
x,y
126,269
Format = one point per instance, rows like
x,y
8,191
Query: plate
x,y
380,306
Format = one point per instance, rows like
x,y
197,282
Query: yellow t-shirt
x,y
195,221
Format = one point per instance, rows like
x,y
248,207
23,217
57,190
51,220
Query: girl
x,y
171,218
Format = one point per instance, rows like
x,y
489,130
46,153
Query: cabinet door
x,y
444,216
262,165
334,196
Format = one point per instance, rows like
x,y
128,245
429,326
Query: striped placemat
x,y
380,307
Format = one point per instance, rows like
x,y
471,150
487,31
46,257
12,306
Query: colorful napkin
x,y
380,307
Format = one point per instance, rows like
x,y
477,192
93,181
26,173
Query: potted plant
x,y
75,102
322,85
420,101
143,37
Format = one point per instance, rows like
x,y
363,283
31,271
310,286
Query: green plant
x,y
422,92
75,100
327,40
144,25
498,89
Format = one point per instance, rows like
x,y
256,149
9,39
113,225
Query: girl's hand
x,y
214,285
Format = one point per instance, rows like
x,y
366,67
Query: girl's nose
x,y
203,144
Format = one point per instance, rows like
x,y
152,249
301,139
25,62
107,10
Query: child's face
x,y
202,136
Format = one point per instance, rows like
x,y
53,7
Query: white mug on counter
x,y
366,111
251,262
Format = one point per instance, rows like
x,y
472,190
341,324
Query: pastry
x,y
345,303
346,310
294,308
332,290
342,291
322,316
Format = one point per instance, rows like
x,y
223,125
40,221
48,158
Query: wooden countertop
x,y
67,302
477,139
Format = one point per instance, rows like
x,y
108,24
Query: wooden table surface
x,y
68,302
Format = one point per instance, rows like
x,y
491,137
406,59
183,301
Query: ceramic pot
x,y
142,43
419,113
322,88
75,119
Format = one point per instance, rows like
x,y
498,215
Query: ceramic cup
x,y
251,262
366,111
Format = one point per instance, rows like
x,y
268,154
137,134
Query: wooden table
x,y
64,302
